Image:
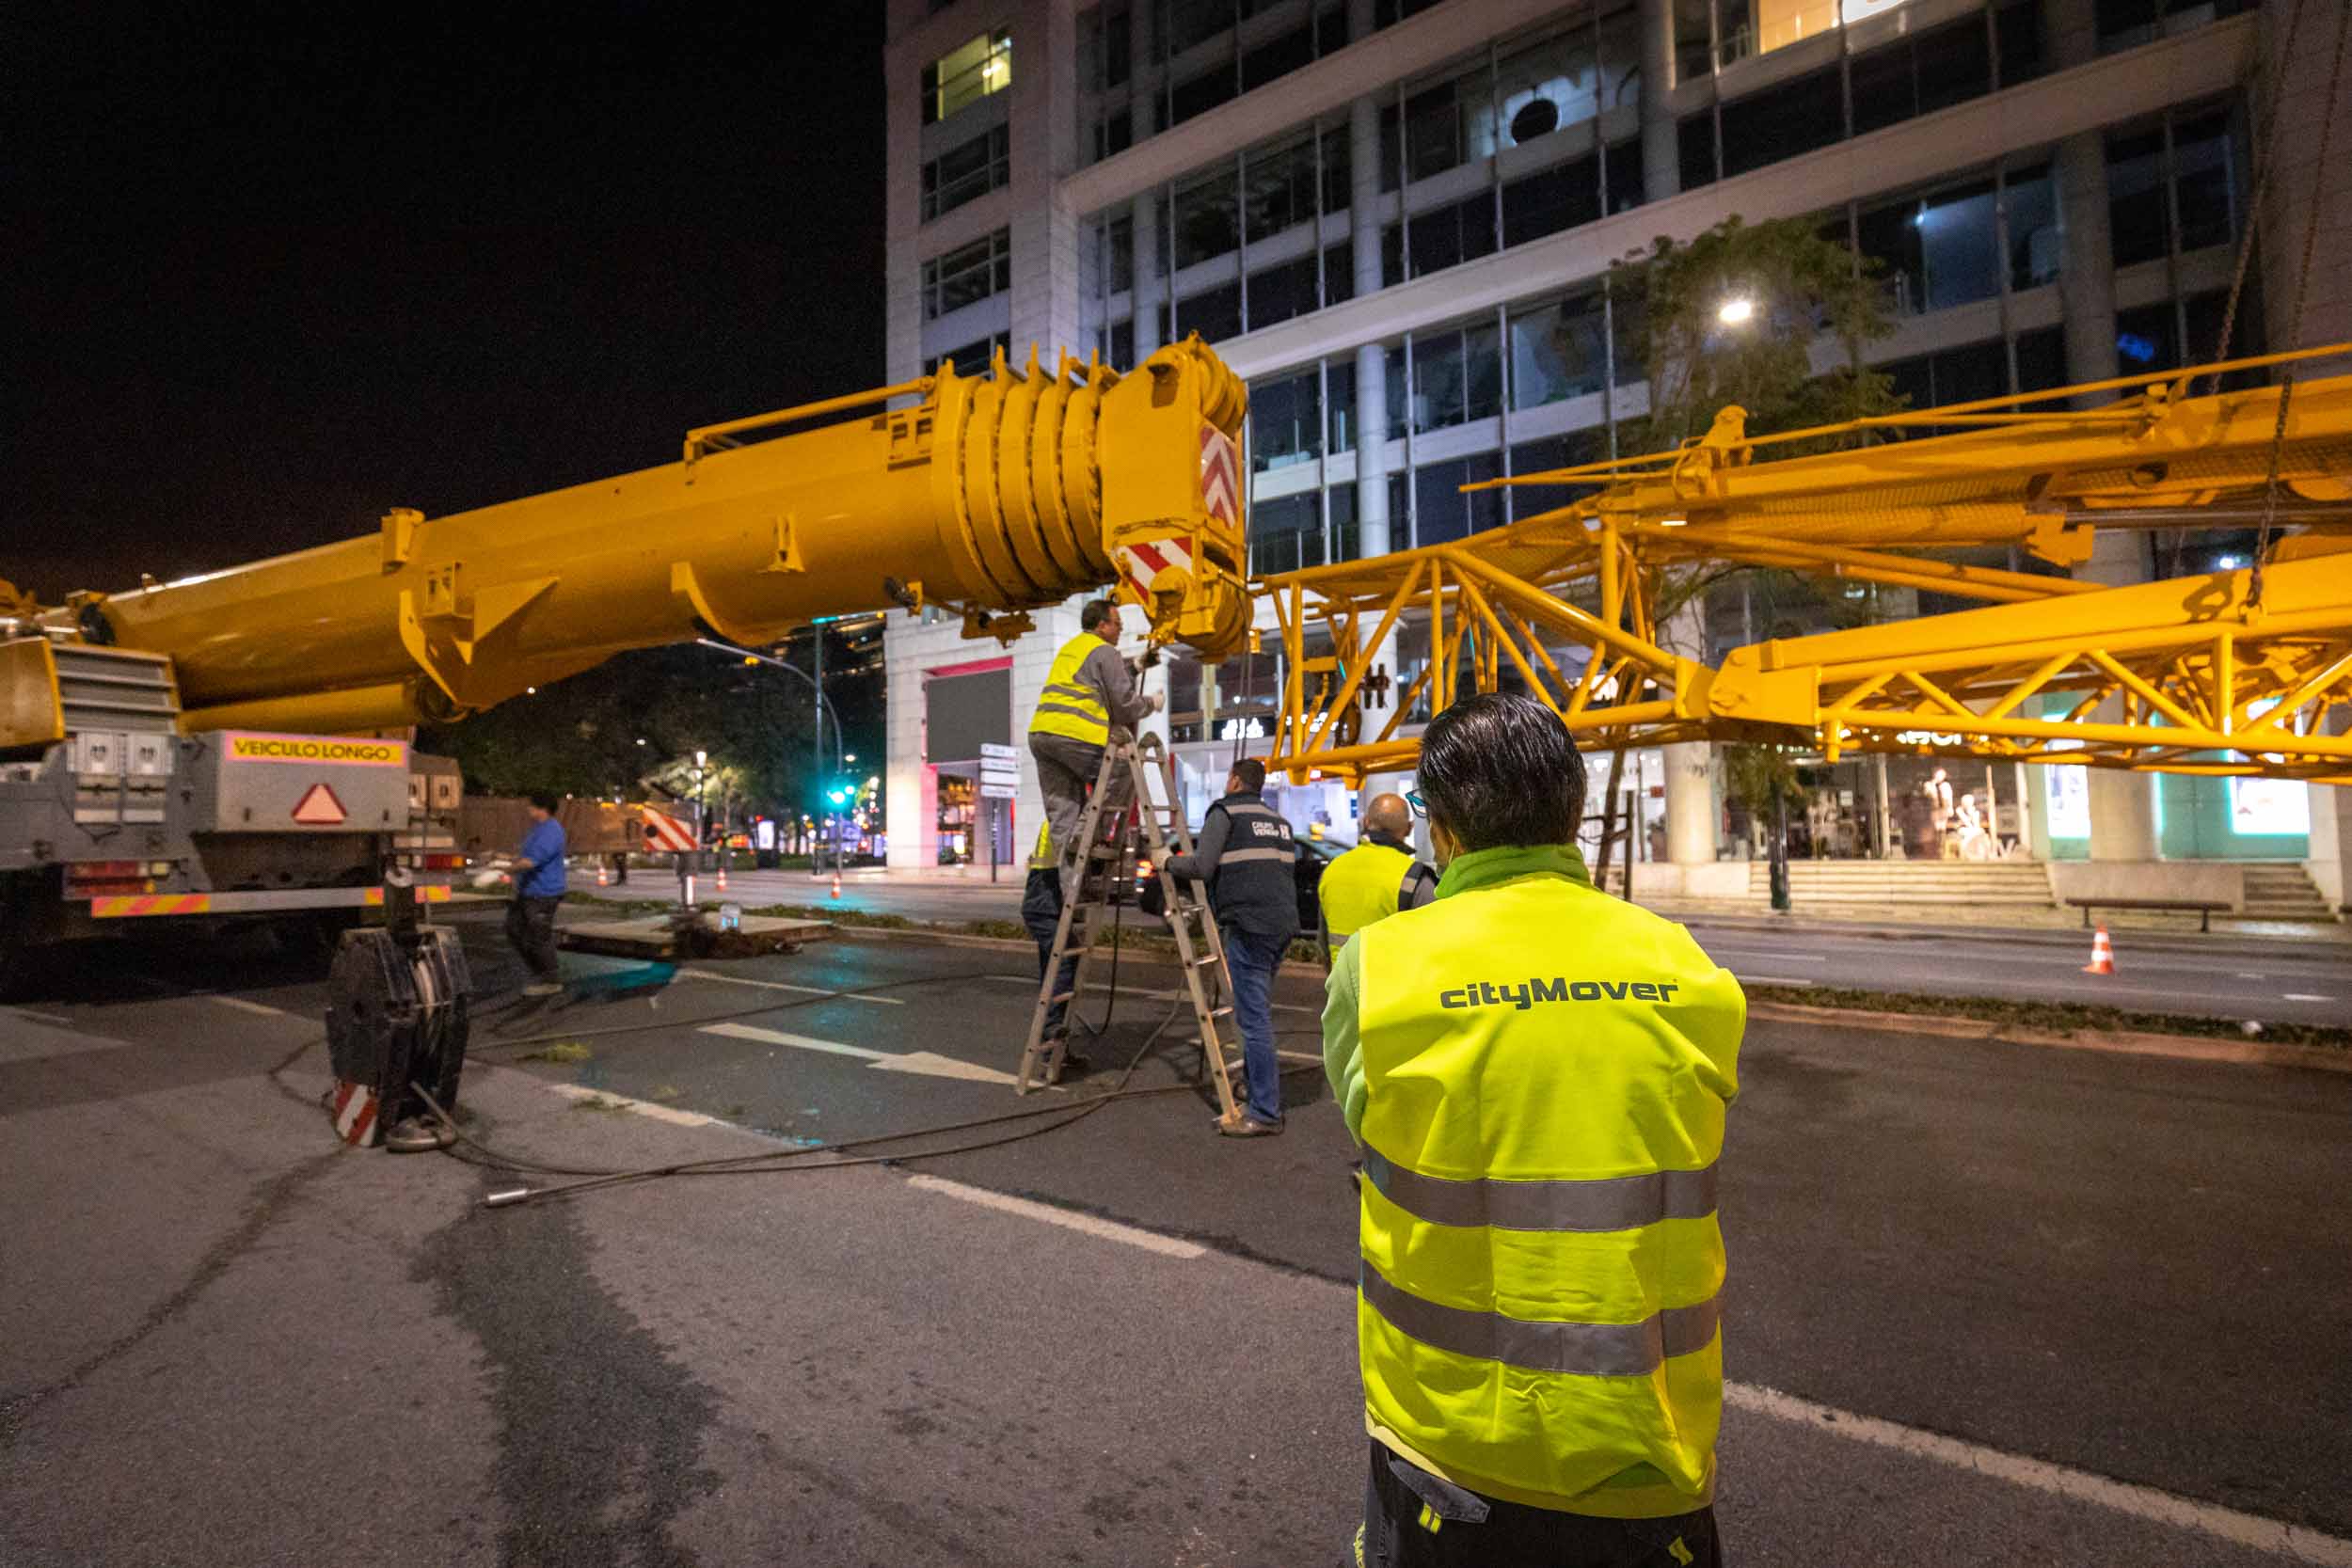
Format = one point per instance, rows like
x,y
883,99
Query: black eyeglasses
x,y
1421,807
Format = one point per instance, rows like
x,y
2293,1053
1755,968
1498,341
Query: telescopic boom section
x,y
990,496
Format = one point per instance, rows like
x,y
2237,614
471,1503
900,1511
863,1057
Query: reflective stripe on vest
x,y
1539,1190
1361,886
1066,706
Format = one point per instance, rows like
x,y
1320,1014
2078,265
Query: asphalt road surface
x,y
2268,979
1990,1304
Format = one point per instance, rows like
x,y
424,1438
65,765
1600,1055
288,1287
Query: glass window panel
x,y
1196,22
1391,256
1206,225
2205,170
1287,534
1629,325
1956,244
1279,58
2034,243
1624,175
1439,380
966,74
2042,360
1621,59
1550,201
1955,64
2145,339
1285,422
1397,399
1889,234
1215,313
1117,45
2136,218
2204,332
1695,150
1476,216
1114,133
966,173
1122,351
1338,193
1558,351
1441,512
1279,187
1783,121
1201,93
1486,506
1340,405
2018,27
1482,373
1694,44
1546,86
1278,293
1432,130
1121,239
1339,274
1972,372
1341,502
1391,147
1885,88
1761,26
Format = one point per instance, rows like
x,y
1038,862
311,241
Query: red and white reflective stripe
x,y
667,832
355,1114
1146,564
1220,476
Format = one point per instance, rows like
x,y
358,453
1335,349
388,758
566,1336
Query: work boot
x,y
416,1135
543,988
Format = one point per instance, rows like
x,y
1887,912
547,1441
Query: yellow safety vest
x,y
1068,707
1041,858
1361,886
1546,1069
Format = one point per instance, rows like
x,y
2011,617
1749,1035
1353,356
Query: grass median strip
x,y
2057,1018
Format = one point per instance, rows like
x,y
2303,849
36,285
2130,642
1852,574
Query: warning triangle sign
x,y
319,807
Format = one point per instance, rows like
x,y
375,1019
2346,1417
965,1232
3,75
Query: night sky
x,y
275,268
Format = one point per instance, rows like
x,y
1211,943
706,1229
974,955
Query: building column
x,y
2301,196
2122,804
1372,387
1693,823
1662,144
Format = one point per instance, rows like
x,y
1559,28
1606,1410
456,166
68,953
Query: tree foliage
x,y
581,736
1808,295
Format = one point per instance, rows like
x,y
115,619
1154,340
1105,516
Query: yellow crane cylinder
x,y
991,495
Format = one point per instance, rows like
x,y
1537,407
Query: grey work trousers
x,y
1066,771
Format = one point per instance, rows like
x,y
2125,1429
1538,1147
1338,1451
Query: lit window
x,y
964,75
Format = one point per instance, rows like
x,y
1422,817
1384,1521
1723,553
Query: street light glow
x,y
1735,310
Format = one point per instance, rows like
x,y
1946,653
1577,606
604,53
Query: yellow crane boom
x,y
2236,672
990,495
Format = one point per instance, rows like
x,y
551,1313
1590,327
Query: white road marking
x,y
244,1006
1784,958
1109,1230
36,1018
805,991
2306,996
642,1107
2144,1502
798,1043
923,1063
1011,980
2250,974
1775,980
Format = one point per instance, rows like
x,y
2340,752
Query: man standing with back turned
x,y
1378,877
1244,856
1537,1074
1088,692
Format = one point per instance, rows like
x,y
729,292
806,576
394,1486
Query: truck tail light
x,y
105,871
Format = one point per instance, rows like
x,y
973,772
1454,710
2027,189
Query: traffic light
x,y
840,792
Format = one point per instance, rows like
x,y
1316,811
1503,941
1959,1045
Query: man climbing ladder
x,y
1090,695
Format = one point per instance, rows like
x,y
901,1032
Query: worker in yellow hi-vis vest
x,y
1378,877
1088,694
1537,1075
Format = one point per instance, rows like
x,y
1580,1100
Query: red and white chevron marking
x,y
354,1110
665,834
1220,475
1147,563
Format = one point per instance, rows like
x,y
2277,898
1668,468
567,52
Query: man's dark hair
x,y
1251,773
1097,611
547,800
1501,770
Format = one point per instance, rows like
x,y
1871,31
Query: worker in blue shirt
x,y
537,870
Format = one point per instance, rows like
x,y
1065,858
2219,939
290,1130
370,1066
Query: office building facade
x,y
1397,220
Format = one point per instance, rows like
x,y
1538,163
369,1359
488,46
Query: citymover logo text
x,y
1485,993
317,749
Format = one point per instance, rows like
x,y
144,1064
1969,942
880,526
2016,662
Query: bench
x,y
2203,908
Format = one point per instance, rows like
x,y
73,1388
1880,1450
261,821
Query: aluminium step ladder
x,y
1107,870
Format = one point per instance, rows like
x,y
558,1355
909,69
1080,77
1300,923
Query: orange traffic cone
x,y
837,884
2101,954
722,874
604,875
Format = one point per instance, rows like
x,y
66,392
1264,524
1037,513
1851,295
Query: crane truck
x,y
228,744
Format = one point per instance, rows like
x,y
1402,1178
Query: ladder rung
x,y
1222,1012
1204,963
1061,996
